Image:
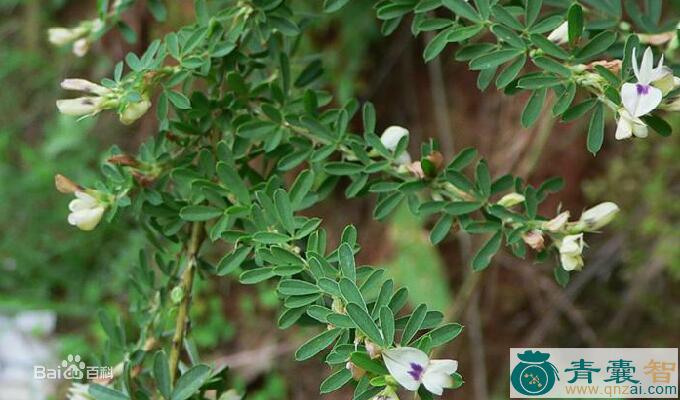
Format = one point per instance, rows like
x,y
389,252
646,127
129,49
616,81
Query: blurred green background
x,y
627,296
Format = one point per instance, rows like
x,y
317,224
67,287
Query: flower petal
x,y
646,67
392,135
446,366
435,382
88,219
629,97
624,130
640,130
648,102
86,198
636,69
401,362
404,158
640,99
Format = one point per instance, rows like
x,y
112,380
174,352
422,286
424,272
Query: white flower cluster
x,y
639,98
79,37
571,246
644,96
100,98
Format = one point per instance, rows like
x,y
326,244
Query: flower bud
x,y
62,36
666,81
596,217
571,248
79,106
83,85
81,47
416,169
357,373
429,165
65,185
612,65
534,239
390,139
373,349
557,224
561,34
134,111
510,199
392,135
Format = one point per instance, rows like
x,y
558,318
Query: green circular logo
x,y
533,375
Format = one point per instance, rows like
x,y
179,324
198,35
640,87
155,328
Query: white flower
x,y
83,85
80,106
641,98
596,217
571,248
86,211
79,391
556,224
561,34
390,139
134,111
62,36
510,199
628,126
411,367
81,47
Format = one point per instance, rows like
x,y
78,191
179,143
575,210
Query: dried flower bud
x,y
432,164
416,169
123,159
373,349
534,239
656,39
612,65
142,179
65,185
357,373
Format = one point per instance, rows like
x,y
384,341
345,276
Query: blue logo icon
x,y
533,375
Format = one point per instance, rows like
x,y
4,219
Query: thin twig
x,y
440,103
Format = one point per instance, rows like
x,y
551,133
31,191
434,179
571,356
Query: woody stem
x,y
186,283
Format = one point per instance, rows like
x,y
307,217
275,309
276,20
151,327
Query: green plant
x,y
247,140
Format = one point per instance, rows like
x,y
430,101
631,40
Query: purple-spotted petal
x,y
640,99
